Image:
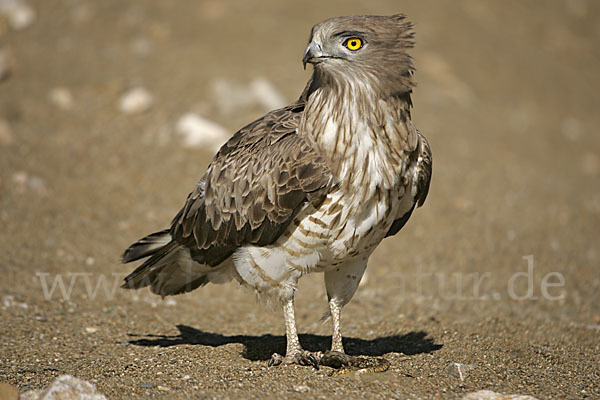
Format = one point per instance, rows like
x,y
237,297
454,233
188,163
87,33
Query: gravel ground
x,y
493,285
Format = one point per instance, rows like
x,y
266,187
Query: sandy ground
x,y
508,97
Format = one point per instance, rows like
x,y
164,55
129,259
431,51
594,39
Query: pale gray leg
x,y
294,353
293,344
341,284
336,338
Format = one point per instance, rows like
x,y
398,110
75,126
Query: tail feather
x,y
146,246
170,269
145,274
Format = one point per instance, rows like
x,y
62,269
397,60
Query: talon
x,y
313,361
276,359
302,357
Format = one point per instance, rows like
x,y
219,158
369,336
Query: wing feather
x,y
258,181
423,164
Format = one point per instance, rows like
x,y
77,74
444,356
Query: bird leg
x,y
294,353
336,338
336,358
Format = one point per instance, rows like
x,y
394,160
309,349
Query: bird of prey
x,y
311,187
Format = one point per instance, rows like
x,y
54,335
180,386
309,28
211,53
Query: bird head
x,y
362,47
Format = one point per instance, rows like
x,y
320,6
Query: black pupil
x,y
353,43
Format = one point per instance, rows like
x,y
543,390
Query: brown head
x,y
362,48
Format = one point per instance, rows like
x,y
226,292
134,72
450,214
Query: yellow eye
x,y
353,44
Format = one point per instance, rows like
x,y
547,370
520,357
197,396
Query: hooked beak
x,y
313,51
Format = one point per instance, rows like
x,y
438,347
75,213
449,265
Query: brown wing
x,y
258,181
423,167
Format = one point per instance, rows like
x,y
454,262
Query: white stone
x,y
489,395
301,388
230,97
136,101
9,301
20,13
24,181
65,387
170,302
61,97
458,370
266,94
199,132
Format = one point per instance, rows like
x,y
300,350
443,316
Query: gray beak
x,y
313,51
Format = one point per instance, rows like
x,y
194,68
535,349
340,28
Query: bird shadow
x,y
260,348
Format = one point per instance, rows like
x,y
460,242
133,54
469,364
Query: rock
x,y
489,395
136,101
198,132
91,329
20,13
9,301
8,392
61,97
65,387
230,97
7,63
6,134
458,370
170,302
30,395
266,94
301,388
24,181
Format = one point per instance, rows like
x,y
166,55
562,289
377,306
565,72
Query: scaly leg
x,y
294,353
336,338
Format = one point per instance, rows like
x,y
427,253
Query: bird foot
x,y
301,357
344,363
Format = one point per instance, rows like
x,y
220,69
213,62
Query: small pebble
x,y
20,13
230,96
301,388
136,101
41,318
199,132
61,97
91,329
170,302
25,181
9,301
489,395
458,370
66,387
147,385
266,94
